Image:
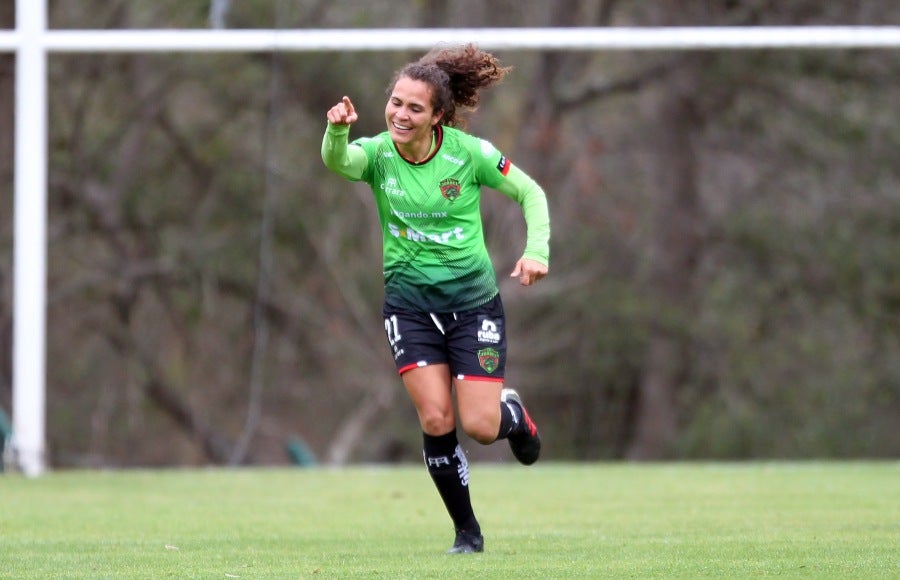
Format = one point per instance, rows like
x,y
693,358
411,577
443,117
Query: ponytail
x,y
456,75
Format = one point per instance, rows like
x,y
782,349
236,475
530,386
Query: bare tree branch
x,y
604,88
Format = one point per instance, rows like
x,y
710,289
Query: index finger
x,y
348,105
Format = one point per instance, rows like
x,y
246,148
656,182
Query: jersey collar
x,y
438,139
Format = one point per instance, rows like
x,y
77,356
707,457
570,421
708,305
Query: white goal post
x,y
32,42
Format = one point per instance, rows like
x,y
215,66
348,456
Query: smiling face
x,y
410,117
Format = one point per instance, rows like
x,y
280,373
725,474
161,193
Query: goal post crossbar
x,y
388,39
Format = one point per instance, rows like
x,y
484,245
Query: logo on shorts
x,y
489,359
489,331
450,188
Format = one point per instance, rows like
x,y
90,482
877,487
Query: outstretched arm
x,y
347,161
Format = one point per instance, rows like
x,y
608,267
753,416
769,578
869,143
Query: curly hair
x,y
455,75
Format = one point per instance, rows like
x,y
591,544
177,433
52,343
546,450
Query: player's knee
x,y
436,422
482,429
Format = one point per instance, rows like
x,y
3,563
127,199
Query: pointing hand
x,y
344,113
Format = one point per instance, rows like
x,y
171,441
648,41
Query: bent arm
x,y
528,194
348,161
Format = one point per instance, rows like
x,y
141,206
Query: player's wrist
x,y
338,129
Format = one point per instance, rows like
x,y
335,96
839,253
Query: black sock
x,y
510,420
449,470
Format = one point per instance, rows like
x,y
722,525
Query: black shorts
x,y
472,342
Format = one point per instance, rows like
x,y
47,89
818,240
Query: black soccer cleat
x,y
467,543
525,444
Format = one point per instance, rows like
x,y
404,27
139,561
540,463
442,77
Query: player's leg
x,y
487,410
480,409
523,436
418,346
429,388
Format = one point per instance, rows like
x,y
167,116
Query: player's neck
x,y
419,151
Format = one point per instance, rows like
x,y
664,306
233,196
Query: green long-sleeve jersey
x,y
435,259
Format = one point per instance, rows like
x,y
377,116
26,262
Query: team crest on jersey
x,y
450,188
489,359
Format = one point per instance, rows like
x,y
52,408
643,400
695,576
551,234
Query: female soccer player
x,y
442,310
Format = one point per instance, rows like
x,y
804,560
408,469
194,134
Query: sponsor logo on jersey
x,y
420,214
391,187
414,235
503,165
489,359
454,160
450,188
487,149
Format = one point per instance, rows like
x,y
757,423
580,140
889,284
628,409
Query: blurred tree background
x,y
725,272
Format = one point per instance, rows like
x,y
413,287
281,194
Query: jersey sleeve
x,y
495,170
528,194
351,162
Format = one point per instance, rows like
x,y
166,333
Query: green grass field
x,y
813,520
